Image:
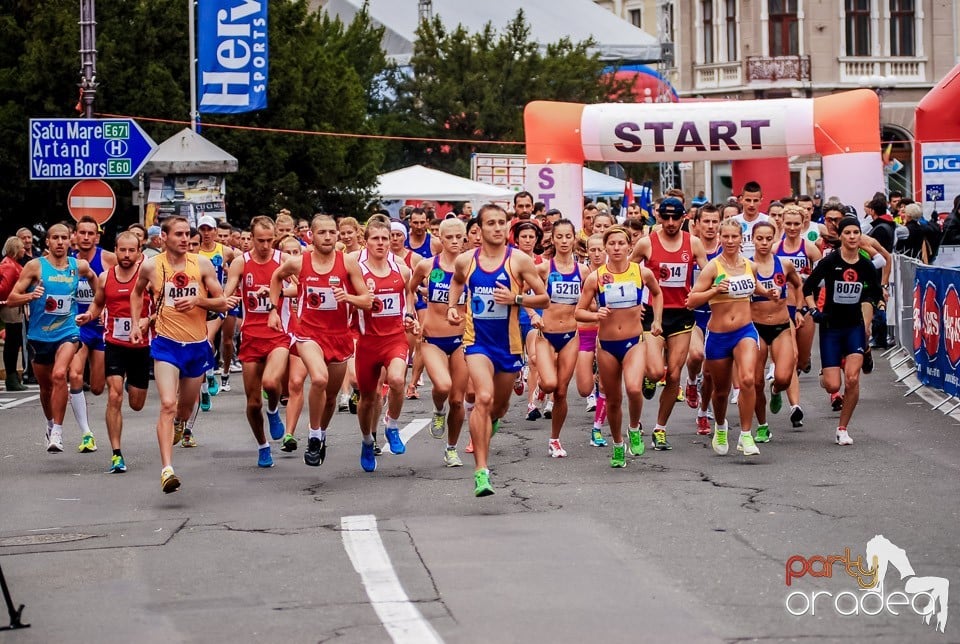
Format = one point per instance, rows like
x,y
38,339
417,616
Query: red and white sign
x,y
91,197
931,321
951,326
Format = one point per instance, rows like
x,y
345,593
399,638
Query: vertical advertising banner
x,y
936,328
232,50
939,176
558,185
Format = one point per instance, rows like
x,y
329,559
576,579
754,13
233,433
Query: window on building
x,y
706,9
858,27
636,18
784,31
902,30
733,52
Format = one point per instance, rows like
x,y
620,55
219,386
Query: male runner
x,y
419,241
184,287
699,383
750,200
220,255
498,282
49,286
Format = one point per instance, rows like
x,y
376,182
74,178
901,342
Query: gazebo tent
x,y
418,182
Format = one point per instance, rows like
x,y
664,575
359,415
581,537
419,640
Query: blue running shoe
x,y
264,459
393,437
277,430
213,385
368,460
204,402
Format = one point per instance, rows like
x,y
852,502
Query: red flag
x,y
627,197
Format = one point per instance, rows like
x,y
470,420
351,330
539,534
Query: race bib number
x,y
802,264
620,295
121,329
847,292
172,291
742,286
484,307
389,305
84,292
320,298
767,285
674,275
58,305
257,303
566,292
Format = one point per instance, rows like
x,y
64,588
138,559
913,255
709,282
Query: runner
x,y
296,370
327,282
264,351
750,200
219,255
611,298
699,382
383,342
732,342
848,280
494,277
528,236
774,320
184,288
48,285
420,241
587,385
442,344
123,359
672,255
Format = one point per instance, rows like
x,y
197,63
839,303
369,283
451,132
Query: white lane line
x,y
412,428
402,620
20,402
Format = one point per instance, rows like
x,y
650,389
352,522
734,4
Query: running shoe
x,y
315,453
235,366
178,428
264,458
368,459
169,481
635,439
649,388
469,448
776,400
796,416
518,385
225,383
54,442
619,457
354,401
719,441
703,425
439,426
482,487
591,402
747,445
867,361
843,437
597,439
188,440
377,450
204,401
495,427
87,444
555,449
117,466
769,374
412,393
213,385
343,404
734,395
836,401
660,442
288,444
533,413
541,395
680,397
396,444
548,410
764,434
284,399
451,458
277,429
693,395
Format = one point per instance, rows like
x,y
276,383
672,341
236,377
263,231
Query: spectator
x,y
25,235
951,227
700,199
154,244
883,228
914,244
11,316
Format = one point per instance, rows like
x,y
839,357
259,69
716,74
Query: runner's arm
x,y
290,267
704,290
363,298
420,272
457,284
527,273
699,252
144,280
99,299
585,311
234,273
641,251
656,299
28,276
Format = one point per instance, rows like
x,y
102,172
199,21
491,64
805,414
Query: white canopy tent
x,y
597,184
549,20
418,182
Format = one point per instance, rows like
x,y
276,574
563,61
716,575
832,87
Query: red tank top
x,y
673,269
385,317
117,310
318,313
256,306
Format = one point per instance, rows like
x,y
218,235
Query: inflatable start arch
x,y
843,128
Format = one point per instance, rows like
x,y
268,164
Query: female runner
x,y
587,354
296,370
528,236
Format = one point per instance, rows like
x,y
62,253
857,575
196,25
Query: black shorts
x,y
45,353
130,362
677,321
770,332
647,320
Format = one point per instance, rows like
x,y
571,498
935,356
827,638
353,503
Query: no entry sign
x,y
91,197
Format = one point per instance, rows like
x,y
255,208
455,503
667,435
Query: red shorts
x,y
257,349
374,353
335,348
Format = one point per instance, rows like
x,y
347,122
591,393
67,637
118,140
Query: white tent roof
x,y
418,182
598,184
189,153
549,20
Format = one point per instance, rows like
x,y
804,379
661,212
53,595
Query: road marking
x,y
402,620
20,402
412,428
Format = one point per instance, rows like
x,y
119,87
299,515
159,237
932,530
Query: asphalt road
x,y
683,546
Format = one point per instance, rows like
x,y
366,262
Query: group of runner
x,y
708,297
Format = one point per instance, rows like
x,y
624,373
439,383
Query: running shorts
x,y
45,353
720,345
132,363
92,337
837,344
336,348
257,349
193,359
374,353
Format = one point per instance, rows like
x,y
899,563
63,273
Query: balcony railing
x,y
907,70
778,68
718,76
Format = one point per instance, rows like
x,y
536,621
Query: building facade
x,y
756,49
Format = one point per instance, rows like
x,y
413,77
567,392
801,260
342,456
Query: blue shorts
x,y
701,317
92,336
525,329
559,340
236,312
719,346
419,304
619,348
836,344
45,353
447,344
792,311
503,362
192,358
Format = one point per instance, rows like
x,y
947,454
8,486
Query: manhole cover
x,y
41,539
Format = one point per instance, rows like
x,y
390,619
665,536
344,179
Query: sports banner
x,y
232,52
936,328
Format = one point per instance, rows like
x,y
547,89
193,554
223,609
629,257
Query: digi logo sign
x,y
941,163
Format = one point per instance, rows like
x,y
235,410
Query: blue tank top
x,y
798,257
489,324
424,249
53,316
85,291
696,274
438,285
777,278
564,288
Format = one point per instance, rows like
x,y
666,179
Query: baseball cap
x,y
207,220
671,206
153,231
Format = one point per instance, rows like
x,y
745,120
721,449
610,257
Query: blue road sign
x,y
935,192
87,148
